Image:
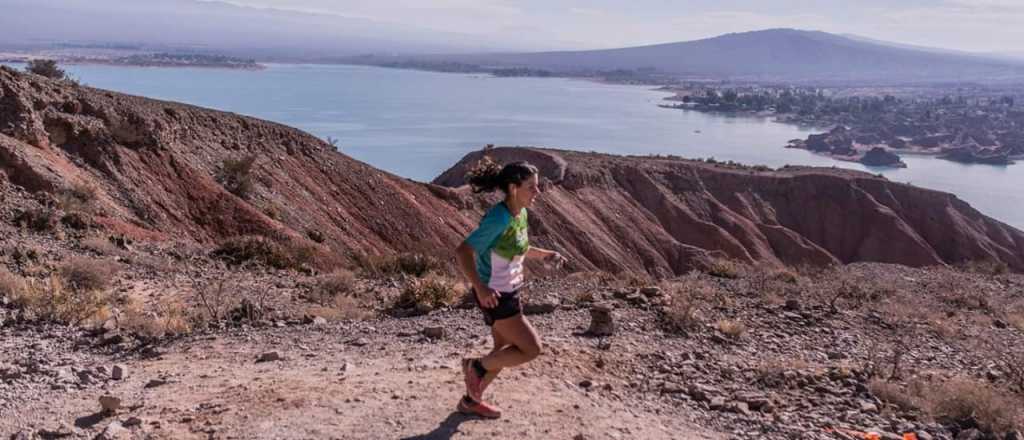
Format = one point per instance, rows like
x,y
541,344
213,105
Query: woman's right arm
x,y
466,257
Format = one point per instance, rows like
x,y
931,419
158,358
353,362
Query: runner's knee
x,y
533,350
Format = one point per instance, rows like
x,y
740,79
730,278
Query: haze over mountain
x,y
782,54
267,34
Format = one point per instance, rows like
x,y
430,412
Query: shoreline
x,y
24,61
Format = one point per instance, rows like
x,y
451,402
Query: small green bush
x,y
47,68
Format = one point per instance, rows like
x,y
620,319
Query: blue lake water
x,y
417,124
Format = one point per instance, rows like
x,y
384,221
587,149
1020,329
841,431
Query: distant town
x,y
965,124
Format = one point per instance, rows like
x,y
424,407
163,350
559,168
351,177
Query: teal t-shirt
x,y
500,242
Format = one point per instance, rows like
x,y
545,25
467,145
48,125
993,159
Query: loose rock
x,y
110,403
155,383
271,356
651,292
114,431
118,372
434,332
601,321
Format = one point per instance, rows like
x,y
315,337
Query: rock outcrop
x,y
158,173
880,157
977,154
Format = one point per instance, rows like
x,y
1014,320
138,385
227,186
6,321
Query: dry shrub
x,y
23,255
962,399
342,308
893,394
770,282
885,359
962,295
732,328
598,277
854,290
155,263
262,250
954,400
408,263
786,276
101,246
1016,320
686,297
631,280
583,296
56,300
76,220
213,302
328,288
79,197
722,268
590,277
772,372
169,317
942,326
11,285
236,175
37,219
987,267
428,293
1008,359
88,274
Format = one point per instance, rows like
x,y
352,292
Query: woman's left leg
x,y
500,342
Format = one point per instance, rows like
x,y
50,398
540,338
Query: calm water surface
x,y
417,124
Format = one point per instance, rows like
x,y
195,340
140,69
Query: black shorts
x,y
508,306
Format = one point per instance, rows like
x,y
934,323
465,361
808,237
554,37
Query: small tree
x,y
47,68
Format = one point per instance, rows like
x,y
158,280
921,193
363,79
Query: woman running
x,y
492,258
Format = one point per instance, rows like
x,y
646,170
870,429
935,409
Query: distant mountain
x,y
220,27
783,54
932,49
1012,55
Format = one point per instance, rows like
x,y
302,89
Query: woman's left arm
x,y
537,253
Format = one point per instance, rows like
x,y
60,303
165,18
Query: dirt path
x,y
353,381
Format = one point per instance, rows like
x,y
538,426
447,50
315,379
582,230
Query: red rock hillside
x,y
664,215
157,168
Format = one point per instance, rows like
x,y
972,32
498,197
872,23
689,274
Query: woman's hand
x,y
487,297
558,259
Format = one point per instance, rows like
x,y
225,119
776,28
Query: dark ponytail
x,y
488,175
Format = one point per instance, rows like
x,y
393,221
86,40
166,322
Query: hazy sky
x,y
975,25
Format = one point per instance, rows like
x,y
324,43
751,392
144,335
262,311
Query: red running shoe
x,y
482,409
472,380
